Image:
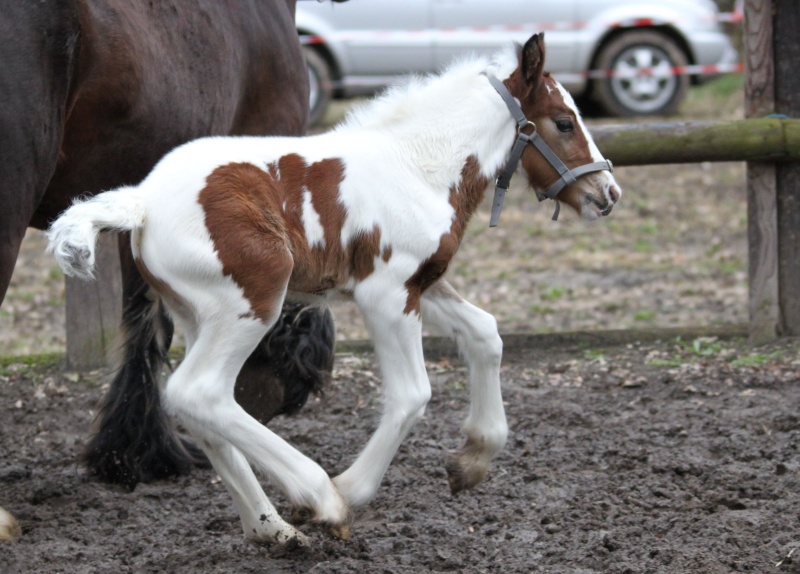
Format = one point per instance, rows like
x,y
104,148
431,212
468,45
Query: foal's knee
x,y
483,338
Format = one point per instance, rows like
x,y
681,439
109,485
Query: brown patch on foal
x,y
242,214
319,267
465,197
255,218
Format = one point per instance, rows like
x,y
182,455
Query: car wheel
x,y
628,92
320,87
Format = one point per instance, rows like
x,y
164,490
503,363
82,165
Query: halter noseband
x,y
566,175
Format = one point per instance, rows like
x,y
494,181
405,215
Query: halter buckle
x,y
530,123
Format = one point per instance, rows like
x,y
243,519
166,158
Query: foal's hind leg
x,y
475,331
200,392
260,520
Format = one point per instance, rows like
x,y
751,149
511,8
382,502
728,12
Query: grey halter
x,y
566,175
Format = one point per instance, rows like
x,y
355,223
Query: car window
x,y
381,37
462,27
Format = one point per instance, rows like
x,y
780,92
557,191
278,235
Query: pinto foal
x,y
226,228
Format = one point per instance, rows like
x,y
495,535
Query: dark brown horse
x,y
92,94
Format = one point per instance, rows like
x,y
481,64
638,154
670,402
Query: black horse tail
x,y
135,440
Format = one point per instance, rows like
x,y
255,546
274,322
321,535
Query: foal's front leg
x,y
475,332
397,336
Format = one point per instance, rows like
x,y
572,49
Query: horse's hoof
x,y
463,475
9,527
340,531
337,529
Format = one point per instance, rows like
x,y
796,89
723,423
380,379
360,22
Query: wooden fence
x,y
769,145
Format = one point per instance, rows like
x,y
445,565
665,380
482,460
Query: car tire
x,y
320,86
641,95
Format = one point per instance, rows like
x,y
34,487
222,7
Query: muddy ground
x,y
676,456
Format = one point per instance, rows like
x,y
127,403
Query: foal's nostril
x,y
613,193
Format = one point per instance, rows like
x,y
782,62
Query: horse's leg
x,y
200,393
397,336
475,331
37,71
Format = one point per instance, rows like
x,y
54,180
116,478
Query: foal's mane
x,y
413,93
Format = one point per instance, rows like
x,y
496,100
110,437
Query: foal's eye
x,y
565,125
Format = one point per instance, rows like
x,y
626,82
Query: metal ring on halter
x,y
530,123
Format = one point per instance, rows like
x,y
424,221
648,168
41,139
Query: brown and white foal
x,y
226,228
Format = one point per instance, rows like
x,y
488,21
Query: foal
x,y
226,228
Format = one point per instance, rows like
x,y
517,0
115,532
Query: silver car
x,y
633,57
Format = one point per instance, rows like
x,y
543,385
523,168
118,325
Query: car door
x,y
381,37
462,27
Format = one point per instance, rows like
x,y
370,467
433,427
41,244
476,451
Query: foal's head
x,y
557,120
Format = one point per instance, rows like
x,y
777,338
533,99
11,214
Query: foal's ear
x,y
532,59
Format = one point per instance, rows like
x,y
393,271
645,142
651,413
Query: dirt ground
x,y
674,456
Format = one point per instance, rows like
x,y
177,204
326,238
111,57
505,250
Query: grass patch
x,y
553,293
541,309
756,359
721,88
594,354
700,347
43,361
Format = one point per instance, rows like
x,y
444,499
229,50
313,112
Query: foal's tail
x,y
74,234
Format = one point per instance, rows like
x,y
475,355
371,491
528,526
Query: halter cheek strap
x,y
566,176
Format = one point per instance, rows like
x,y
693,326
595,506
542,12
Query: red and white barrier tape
x,y
355,36
667,71
662,72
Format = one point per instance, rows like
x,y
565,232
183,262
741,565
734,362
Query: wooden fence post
x,y
786,52
772,85
94,309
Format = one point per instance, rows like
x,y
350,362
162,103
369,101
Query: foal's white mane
x,y
415,96
435,122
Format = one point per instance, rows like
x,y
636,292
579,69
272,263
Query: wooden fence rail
x,y
758,139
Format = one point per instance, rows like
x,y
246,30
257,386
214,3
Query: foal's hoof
x,y
9,527
340,530
464,471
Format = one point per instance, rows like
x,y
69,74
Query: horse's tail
x,y
73,235
135,440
